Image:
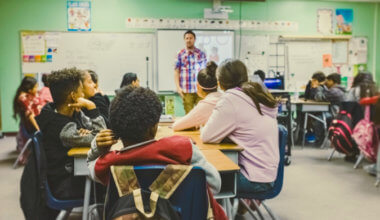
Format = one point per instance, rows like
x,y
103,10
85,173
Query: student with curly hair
x,y
134,116
64,126
207,88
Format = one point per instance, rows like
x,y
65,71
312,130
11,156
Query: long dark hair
x,y
128,78
364,80
233,73
207,77
27,84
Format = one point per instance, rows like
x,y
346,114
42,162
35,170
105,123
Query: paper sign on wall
x,y
327,61
78,16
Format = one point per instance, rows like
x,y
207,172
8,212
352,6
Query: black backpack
x,y
340,132
126,200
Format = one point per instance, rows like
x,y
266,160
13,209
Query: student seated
x,y
333,92
134,117
314,85
26,105
129,79
64,126
246,115
207,89
362,86
92,92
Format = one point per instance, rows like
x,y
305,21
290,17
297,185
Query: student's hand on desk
x,y
83,103
105,139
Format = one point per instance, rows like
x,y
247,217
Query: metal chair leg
x,y
304,129
331,155
64,214
271,214
235,205
257,209
248,208
22,153
358,161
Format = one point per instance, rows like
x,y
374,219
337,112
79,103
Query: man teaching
x,y
188,63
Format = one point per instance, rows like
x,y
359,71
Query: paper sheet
x,y
33,44
324,23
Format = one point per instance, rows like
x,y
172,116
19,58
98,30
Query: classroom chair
x,y
283,133
65,206
25,147
190,198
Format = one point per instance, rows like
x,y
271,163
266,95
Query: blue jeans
x,y
246,186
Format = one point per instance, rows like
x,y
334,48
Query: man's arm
x,y
176,80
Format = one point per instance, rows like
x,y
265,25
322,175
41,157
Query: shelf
x,y
315,37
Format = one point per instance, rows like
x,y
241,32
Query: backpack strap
x,y
140,205
169,180
125,179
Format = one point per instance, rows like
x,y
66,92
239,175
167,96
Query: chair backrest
x,y
190,198
282,136
51,201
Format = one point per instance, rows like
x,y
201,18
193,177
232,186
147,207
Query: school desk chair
x,y
277,187
23,152
190,198
65,206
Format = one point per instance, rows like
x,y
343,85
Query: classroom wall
x,y
110,15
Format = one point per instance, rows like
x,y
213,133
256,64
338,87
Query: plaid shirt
x,y
190,63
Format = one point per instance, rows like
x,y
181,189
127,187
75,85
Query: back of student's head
x,y
44,79
94,76
62,83
319,76
27,84
134,113
261,74
362,77
207,77
335,77
128,78
233,73
364,81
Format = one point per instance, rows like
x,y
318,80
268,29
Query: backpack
x,y
365,136
132,202
340,132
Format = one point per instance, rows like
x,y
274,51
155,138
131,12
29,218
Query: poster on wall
x,y
78,16
344,20
325,21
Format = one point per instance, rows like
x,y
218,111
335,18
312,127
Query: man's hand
x,y
83,103
180,92
105,139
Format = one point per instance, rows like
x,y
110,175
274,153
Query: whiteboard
x,y
254,51
110,55
305,58
170,42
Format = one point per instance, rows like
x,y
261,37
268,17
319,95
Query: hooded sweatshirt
x,y
235,116
60,133
200,114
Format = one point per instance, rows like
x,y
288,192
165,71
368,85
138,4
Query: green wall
x,y
110,15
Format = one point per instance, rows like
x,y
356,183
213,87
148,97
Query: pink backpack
x,y
365,136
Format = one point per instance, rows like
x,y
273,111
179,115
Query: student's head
x,y
94,77
233,73
206,80
261,74
189,38
317,79
333,79
134,114
130,79
364,80
65,86
89,87
28,85
44,79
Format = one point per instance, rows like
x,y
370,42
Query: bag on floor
x,y
365,136
340,132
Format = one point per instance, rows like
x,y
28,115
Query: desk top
x,y
309,102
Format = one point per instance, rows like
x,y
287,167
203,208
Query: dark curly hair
x,y
320,76
134,112
335,77
62,83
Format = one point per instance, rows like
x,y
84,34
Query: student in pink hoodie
x,y
246,115
207,88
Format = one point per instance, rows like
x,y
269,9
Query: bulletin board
x,y
110,55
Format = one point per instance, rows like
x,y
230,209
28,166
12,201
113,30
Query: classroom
x,y
190,109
